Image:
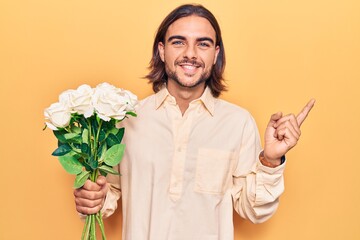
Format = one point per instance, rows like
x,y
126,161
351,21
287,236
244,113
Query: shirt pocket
x,y
213,170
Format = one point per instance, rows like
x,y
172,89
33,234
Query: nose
x,y
190,52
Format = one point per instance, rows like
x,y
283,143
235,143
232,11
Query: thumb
x,y
101,180
274,118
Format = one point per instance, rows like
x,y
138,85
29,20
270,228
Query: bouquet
x,y
84,122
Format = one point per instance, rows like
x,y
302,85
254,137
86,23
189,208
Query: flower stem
x,y
90,133
94,175
96,140
86,231
92,227
101,225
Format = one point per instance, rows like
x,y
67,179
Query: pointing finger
x,y
304,113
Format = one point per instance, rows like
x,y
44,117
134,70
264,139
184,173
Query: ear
x,y
161,51
217,50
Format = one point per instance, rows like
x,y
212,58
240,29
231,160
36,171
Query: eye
x,y
177,43
204,44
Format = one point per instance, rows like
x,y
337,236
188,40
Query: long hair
x,y
158,76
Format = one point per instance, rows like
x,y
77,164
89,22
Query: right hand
x,y
90,198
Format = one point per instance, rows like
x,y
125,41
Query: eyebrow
x,y
205,39
198,39
176,37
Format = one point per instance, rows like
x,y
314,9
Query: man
x,y
191,157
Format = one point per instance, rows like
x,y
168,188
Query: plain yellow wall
x,y
279,55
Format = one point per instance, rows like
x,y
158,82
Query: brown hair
x,y
158,76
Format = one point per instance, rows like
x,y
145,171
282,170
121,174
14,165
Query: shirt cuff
x,y
276,170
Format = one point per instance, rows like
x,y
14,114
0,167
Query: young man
x,y
191,157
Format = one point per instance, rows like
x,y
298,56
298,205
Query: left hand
x,y
283,133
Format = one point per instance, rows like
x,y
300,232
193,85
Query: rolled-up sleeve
x,y
256,188
112,195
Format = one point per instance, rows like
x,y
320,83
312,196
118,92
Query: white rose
x,y
109,102
79,100
58,116
131,100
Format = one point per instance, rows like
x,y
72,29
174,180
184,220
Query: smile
x,y
189,69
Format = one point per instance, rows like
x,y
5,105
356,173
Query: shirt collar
x,y
160,96
206,98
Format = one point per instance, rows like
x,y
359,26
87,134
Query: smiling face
x,y
189,51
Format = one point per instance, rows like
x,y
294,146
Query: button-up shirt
x,y
182,174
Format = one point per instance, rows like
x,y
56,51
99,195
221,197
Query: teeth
x,y
188,67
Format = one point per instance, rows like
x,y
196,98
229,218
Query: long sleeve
x,y
256,188
112,195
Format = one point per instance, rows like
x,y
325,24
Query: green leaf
x,y
78,156
120,134
72,137
71,164
131,114
113,130
103,173
112,140
62,150
81,179
93,163
107,125
85,136
102,135
68,136
77,146
101,150
85,148
83,122
113,155
60,143
75,129
108,169
60,135
87,167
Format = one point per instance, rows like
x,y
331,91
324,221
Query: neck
x,y
185,95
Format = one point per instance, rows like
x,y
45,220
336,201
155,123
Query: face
x,y
189,51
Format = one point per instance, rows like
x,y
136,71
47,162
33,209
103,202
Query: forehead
x,y
191,27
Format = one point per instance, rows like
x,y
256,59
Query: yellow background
x,y
279,55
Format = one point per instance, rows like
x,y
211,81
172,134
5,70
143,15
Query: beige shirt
x,y
182,175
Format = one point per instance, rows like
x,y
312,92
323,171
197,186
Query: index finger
x,y
91,186
305,111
